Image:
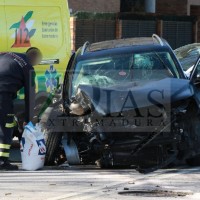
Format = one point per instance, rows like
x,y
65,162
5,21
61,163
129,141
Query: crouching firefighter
x,y
16,72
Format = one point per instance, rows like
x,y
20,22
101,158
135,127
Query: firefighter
x,y
16,72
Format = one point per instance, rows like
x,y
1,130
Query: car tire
x,y
52,138
103,164
194,130
106,161
53,141
194,161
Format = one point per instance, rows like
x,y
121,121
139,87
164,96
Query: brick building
x,y
94,5
178,21
171,7
163,7
177,7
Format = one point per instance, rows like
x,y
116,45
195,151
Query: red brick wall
x,y
197,32
171,7
94,5
195,10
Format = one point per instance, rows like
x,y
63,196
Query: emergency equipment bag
x,y
32,147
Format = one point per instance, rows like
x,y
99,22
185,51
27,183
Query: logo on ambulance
x,y
51,76
23,31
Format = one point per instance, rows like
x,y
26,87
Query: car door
x,y
67,84
195,73
195,80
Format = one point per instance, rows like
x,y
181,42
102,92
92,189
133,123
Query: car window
x,y
118,69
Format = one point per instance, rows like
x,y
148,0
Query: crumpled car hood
x,y
130,96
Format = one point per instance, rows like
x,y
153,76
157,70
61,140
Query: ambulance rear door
x,y
3,34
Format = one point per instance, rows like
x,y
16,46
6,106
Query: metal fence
x,y
94,31
176,32
138,28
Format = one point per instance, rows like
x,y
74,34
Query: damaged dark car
x,y
126,103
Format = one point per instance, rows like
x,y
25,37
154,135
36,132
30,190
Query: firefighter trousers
x,y
6,124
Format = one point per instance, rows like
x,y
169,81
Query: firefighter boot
x,y
6,165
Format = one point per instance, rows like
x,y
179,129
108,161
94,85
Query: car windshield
x,y
118,69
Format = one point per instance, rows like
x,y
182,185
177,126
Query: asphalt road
x,y
89,182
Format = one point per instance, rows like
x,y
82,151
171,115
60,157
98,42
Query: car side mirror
x,y
197,78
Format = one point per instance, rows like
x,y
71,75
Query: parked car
x,y
188,55
126,103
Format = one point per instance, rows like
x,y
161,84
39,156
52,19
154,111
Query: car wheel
x,y
195,138
53,142
194,161
103,164
52,138
106,161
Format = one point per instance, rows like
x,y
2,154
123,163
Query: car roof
x,y
112,47
120,43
